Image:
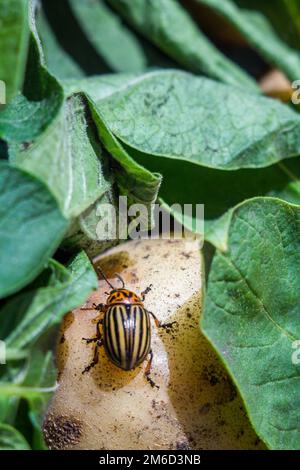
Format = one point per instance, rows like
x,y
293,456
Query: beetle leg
x,y
90,340
99,342
148,371
145,292
159,324
95,358
98,334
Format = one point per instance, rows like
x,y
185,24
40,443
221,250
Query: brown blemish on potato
x,y
68,320
61,432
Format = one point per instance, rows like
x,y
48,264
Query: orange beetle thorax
x,y
123,296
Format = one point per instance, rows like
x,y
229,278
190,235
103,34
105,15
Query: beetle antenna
x,y
104,277
120,279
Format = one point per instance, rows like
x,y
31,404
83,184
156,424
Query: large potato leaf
x,y
177,115
112,40
32,227
68,158
251,314
167,25
14,35
260,35
134,180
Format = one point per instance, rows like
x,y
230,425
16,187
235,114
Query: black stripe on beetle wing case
x,y
127,335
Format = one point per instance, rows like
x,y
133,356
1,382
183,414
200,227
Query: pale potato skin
x,y
196,405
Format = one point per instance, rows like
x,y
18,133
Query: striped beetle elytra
x,y
126,329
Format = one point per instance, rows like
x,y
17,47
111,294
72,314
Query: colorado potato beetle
x,y
126,329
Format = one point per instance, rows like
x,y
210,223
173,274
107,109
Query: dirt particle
x,y
186,255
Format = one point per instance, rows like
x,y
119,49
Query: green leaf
x,y
220,190
11,439
30,113
47,305
32,227
284,15
68,158
134,180
177,115
259,33
14,34
111,39
169,27
251,314
58,61
287,11
34,383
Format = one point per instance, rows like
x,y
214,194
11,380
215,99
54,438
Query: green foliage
x,y
250,314
14,34
68,158
25,321
32,227
177,115
11,439
31,112
284,15
59,62
74,139
256,29
184,42
46,305
114,42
